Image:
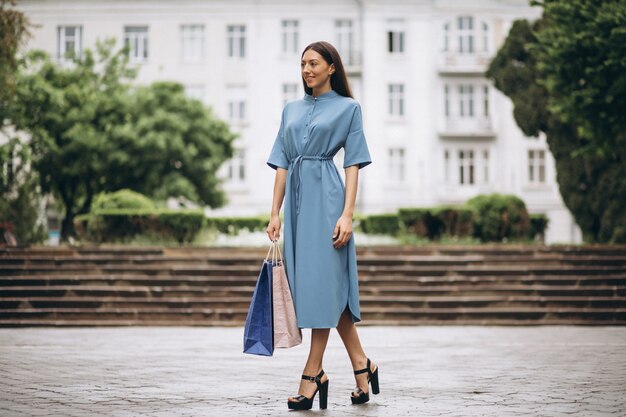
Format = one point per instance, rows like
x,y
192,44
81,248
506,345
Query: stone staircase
x,y
487,285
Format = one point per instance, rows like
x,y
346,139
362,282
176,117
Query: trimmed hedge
x,y
413,220
121,199
457,221
122,225
493,217
381,224
233,225
499,217
538,226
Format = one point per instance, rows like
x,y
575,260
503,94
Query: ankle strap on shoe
x,y
362,371
316,379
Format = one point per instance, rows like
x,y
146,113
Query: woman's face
x,y
315,70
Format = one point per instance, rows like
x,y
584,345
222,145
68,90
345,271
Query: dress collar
x,y
324,96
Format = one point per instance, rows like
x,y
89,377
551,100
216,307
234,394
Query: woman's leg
x,y
350,337
319,339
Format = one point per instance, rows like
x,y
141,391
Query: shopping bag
x,y
258,336
286,331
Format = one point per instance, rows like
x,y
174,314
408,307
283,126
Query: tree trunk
x,y
67,226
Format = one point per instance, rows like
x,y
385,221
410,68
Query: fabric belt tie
x,y
296,166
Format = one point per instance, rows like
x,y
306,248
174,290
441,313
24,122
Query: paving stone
x,y
424,370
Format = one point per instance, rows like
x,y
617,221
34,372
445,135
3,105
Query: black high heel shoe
x,y
305,403
371,377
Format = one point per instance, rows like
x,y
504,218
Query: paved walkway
x,y
424,371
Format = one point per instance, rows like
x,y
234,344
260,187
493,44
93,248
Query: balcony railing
x,y
456,62
351,60
467,126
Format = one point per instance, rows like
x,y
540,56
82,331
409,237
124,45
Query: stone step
x,y
368,313
243,301
397,290
430,249
185,269
365,279
253,259
423,320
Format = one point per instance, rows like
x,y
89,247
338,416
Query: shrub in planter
x,y
383,224
499,217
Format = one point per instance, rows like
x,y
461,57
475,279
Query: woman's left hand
x,y
342,232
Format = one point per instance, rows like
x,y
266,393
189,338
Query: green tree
x,y
13,32
20,199
178,141
591,169
91,131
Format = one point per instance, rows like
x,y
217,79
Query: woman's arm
x,y
343,228
273,228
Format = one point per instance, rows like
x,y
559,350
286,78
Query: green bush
x,y
233,225
412,220
499,217
383,224
422,222
457,221
121,199
538,226
183,226
123,225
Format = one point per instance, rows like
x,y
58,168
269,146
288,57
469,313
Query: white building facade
x,y
438,131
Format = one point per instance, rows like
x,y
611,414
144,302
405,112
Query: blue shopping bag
x,y
258,335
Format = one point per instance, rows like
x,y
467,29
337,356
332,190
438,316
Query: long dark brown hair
x,y
338,80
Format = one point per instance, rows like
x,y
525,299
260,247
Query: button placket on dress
x,y
308,121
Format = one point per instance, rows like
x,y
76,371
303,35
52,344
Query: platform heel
x,y
305,403
372,378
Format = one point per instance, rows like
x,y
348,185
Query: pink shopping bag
x,y
286,331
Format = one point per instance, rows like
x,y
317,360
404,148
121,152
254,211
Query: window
x,y
396,100
345,41
446,166
136,39
466,34
290,36
466,103
466,100
486,101
195,92
396,164
536,166
237,167
69,42
236,104
290,92
395,36
236,35
486,166
485,36
192,38
466,167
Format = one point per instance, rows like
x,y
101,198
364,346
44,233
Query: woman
x,y
319,251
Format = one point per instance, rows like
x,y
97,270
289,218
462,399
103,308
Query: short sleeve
x,y
277,158
355,148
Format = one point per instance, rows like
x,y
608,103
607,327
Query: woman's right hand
x,y
273,228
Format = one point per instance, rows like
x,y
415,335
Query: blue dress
x,y
323,280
